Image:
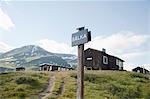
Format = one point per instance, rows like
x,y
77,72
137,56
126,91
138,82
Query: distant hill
x,y
32,56
26,51
6,69
49,60
1,53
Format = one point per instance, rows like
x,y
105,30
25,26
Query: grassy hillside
x,y
116,85
104,85
16,85
98,85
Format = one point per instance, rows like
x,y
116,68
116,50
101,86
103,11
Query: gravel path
x,y
49,89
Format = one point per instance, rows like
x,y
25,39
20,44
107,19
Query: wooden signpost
x,y
78,39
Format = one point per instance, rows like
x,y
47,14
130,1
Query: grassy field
x,y
98,85
18,85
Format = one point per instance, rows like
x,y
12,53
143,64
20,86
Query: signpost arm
x,y
80,74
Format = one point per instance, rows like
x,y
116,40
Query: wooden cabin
x,y
140,70
20,69
100,60
51,67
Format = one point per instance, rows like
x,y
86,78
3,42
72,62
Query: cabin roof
x,y
53,65
49,65
20,67
138,68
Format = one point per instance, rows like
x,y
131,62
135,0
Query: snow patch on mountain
x,y
70,58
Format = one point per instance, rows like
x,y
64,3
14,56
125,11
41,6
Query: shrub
x,y
139,75
26,80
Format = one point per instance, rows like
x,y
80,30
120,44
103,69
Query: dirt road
x,y
49,89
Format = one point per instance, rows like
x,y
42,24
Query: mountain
x,y
32,56
49,59
1,53
5,69
26,51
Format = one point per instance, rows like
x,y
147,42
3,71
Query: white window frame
x,y
138,71
120,64
105,60
117,62
89,58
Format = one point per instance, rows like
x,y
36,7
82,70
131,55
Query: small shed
x,y
52,67
140,70
20,68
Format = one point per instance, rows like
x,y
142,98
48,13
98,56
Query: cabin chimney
x,y
104,50
80,28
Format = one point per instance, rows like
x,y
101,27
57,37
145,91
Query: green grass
x,y
8,65
104,85
57,87
8,59
31,58
98,85
116,85
69,86
16,85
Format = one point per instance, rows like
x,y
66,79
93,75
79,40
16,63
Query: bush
x,y
139,75
26,80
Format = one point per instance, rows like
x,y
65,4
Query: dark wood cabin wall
x,y
96,59
54,68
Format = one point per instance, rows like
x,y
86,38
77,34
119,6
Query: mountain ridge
x,y
31,56
1,53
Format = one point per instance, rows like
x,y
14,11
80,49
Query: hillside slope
x,y
31,57
98,85
17,85
26,51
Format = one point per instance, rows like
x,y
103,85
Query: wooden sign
x,y
81,37
78,39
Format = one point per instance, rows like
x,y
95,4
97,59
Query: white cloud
x,y
5,47
7,2
146,66
134,59
5,21
55,47
119,42
130,66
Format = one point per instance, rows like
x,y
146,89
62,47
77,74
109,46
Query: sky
x,y
122,27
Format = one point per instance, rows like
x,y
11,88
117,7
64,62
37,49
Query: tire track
x,y
49,89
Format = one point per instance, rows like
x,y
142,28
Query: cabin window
x,y
105,60
120,64
117,62
89,58
138,71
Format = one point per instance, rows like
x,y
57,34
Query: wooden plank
x,y
80,72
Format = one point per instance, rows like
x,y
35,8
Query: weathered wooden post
x,y
80,72
79,38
